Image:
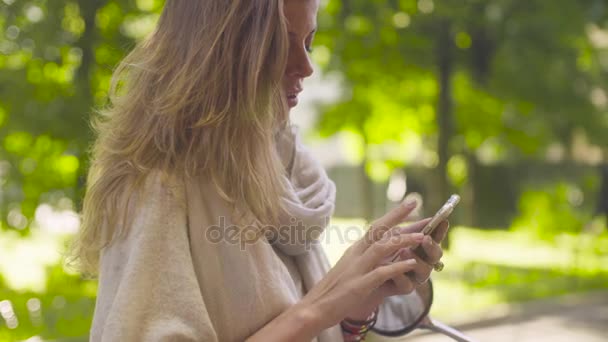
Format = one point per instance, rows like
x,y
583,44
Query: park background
x,y
502,101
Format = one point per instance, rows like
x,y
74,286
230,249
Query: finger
x,y
412,228
403,284
389,220
441,231
421,271
386,248
415,227
415,254
432,250
378,276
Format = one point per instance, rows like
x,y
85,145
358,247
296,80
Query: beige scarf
x,y
310,204
179,276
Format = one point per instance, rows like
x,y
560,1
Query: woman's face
x,y
301,24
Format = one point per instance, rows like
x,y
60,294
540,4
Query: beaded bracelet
x,y
356,330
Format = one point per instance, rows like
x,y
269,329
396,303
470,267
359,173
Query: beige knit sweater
x,y
169,279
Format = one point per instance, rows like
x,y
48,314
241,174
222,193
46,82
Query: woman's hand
x,y
402,283
360,279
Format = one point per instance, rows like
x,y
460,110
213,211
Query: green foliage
x,y
550,211
521,79
56,60
525,74
492,267
487,268
44,298
63,310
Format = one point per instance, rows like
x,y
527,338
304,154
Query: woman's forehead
x,y
301,15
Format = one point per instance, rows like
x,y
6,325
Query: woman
x,y
202,206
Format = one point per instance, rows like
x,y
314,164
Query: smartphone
x,y
440,216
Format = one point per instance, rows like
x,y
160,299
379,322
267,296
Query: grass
x,y
45,300
483,269
488,268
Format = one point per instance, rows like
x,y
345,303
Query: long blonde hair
x,y
201,95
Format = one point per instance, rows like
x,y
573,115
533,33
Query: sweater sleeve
x,y
148,290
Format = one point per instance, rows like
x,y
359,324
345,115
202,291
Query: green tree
x,y
508,77
56,60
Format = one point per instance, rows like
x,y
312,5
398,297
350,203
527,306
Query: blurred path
x,y
580,318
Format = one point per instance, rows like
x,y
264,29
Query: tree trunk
x,y
87,44
470,204
367,187
84,89
444,110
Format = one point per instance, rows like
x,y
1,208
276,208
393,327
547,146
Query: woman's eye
x,y
308,48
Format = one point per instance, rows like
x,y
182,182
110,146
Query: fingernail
x,y
418,236
427,240
411,261
410,203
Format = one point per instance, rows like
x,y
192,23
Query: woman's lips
x,y
292,100
292,91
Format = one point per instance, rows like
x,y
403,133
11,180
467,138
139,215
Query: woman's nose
x,y
300,64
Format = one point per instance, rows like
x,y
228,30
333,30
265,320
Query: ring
x,y
438,266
